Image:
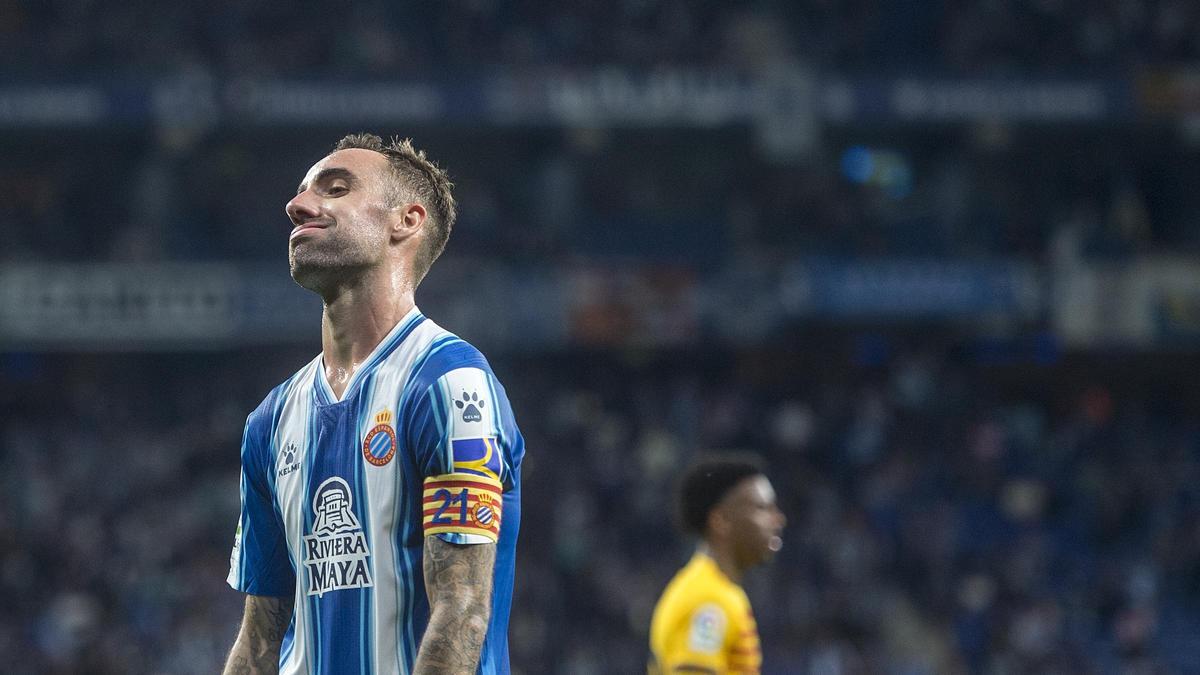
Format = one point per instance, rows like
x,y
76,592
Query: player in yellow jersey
x,y
703,622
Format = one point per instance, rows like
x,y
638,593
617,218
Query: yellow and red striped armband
x,y
465,503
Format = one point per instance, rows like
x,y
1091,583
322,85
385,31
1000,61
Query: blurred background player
x,y
391,453
703,622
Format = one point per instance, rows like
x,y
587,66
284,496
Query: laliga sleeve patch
x,y
706,635
236,555
463,503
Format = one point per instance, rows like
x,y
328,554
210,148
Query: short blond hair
x,y
420,179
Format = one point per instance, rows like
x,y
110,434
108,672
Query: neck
x,y
356,319
724,559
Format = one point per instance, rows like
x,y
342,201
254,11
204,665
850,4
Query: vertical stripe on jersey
x,y
391,647
366,652
243,529
339,640
498,429
409,571
406,587
289,638
289,641
312,624
409,574
287,393
438,401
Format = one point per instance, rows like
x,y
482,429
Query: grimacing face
x,y
339,218
755,519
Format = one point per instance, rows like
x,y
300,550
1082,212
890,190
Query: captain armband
x,y
463,503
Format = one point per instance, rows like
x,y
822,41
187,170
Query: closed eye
x,y
334,181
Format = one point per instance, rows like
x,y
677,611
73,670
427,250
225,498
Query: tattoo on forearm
x,y
263,626
458,580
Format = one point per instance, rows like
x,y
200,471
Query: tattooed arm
x,y
256,650
458,580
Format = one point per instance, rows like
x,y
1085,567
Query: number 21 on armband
x,y
463,503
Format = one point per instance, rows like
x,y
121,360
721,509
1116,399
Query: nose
x,y
780,518
302,208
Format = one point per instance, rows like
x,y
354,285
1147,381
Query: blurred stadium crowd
x,y
955,504
628,194
945,514
270,37
184,193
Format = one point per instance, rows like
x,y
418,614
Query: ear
x,y
718,523
407,220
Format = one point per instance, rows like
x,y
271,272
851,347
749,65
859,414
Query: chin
x,y
309,274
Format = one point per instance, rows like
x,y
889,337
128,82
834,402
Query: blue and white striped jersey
x,y
335,494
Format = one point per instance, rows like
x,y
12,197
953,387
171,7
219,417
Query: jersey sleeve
x,y
743,648
698,643
259,563
459,437
713,636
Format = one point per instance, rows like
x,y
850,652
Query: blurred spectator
x,y
924,538
220,195
263,37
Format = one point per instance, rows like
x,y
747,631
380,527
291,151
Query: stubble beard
x,y
324,266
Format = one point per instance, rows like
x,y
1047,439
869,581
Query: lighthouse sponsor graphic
x,y
335,554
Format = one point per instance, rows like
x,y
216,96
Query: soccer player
x,y
381,483
703,622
